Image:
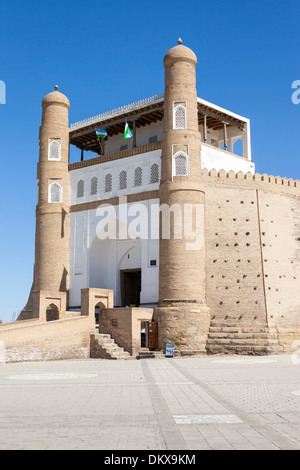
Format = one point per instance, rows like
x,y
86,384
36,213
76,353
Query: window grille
x,y
108,183
55,193
138,176
154,173
179,117
123,180
54,150
180,165
94,186
80,188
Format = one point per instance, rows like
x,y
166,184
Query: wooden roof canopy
x,y
216,119
83,135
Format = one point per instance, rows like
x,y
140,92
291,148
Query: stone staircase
x,y
103,346
242,339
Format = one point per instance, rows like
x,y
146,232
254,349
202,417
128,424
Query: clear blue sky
x,y
110,53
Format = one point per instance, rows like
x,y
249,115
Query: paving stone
x,y
195,403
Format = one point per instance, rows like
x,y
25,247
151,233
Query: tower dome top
x,y
56,97
180,53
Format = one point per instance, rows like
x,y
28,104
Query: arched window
x,y
180,164
123,180
55,193
138,176
179,119
94,185
54,151
80,188
154,173
108,183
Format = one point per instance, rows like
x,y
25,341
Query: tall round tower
x,y
51,272
182,314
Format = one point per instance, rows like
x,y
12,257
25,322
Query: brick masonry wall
x,y
253,251
40,341
124,326
280,229
235,289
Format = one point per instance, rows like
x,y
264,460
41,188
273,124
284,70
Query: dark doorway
x,y
52,313
131,283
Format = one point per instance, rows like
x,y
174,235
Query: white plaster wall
x,y
102,260
114,143
217,159
211,158
114,167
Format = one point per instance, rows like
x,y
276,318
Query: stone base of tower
x,y
261,339
184,324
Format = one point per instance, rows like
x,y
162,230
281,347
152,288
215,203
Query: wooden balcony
x,y
115,156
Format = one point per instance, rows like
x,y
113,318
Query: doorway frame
x,y
124,271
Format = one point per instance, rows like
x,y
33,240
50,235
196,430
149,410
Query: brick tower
x,y
183,317
51,271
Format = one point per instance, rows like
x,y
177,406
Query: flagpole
x,y
101,135
100,145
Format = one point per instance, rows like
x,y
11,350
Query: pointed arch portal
x,y
116,264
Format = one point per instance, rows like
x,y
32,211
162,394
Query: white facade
x,y
213,158
98,262
114,168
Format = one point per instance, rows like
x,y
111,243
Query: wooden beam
x,y
114,121
222,117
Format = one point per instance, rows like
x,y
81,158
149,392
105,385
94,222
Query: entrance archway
x,y
52,313
98,307
109,257
131,285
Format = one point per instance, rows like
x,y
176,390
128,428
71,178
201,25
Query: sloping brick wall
x,y
40,341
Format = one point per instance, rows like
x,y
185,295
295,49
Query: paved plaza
x,y
202,403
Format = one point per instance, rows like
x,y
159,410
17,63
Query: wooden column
x,y
225,137
82,154
205,129
134,134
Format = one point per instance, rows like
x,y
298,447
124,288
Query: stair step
x,y
220,324
146,355
109,345
241,336
114,358
103,336
107,348
227,329
150,355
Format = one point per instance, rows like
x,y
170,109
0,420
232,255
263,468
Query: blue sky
x,y
110,53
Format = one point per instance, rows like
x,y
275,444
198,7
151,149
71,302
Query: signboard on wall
x,y
170,349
